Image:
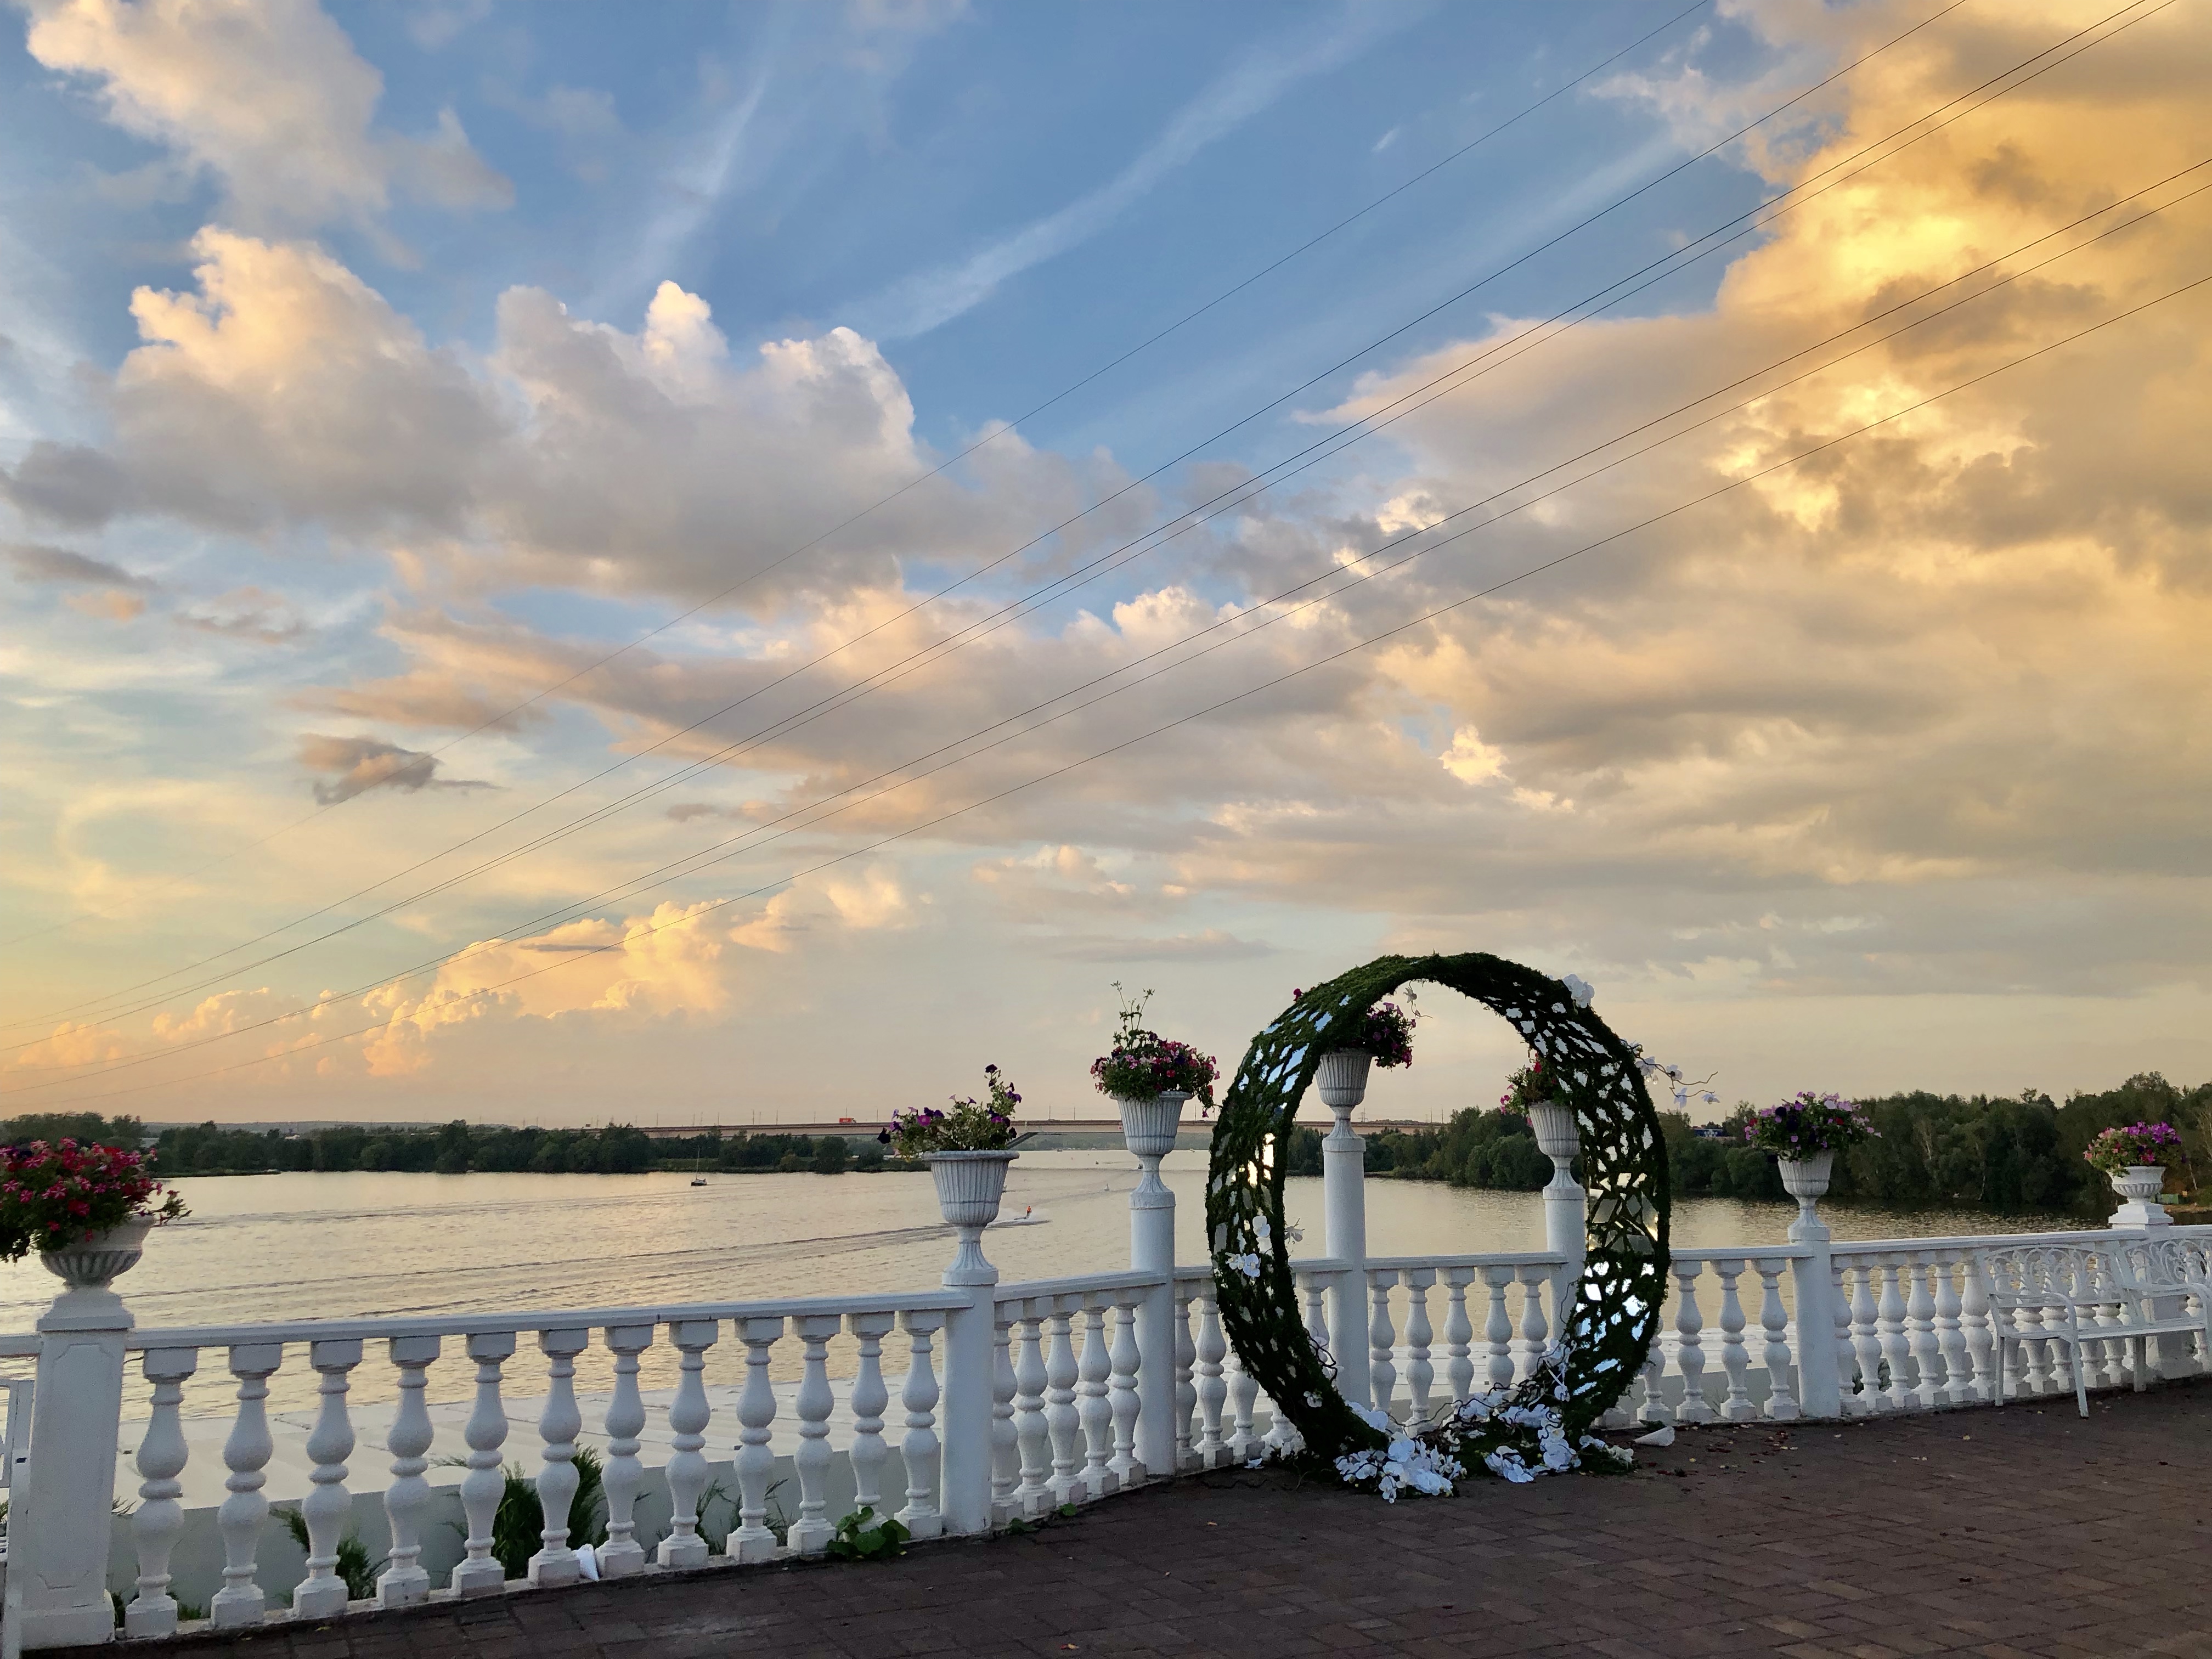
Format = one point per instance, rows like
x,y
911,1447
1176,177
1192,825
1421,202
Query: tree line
x,y
455,1148
2010,1154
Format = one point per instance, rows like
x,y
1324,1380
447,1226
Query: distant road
x,y
851,1127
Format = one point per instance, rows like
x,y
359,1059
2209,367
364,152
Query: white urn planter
x,y
969,1187
94,1263
1342,1078
1805,1180
1149,1124
2139,1186
1558,1136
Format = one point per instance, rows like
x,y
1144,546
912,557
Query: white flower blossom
x,y
1248,1264
1579,988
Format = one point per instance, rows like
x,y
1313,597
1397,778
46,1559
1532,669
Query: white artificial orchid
x,y
1580,988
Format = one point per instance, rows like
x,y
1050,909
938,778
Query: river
x,y
297,1247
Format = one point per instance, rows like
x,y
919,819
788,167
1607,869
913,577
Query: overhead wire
x,y
1428,616
989,437
757,835
1191,517
1046,535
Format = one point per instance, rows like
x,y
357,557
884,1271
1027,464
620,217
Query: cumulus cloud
x,y
248,613
119,595
302,149
354,766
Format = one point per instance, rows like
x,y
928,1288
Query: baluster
x,y
1979,1328
404,1582
555,1563
1654,1408
1459,1334
160,1517
1889,1326
812,1529
2112,1362
687,1417
1034,1495
1849,1402
2032,1370
1382,1339
755,1463
1212,1392
1125,1358
1928,1376
1774,1325
239,1601
1093,1413
871,1398
1316,1290
1689,1347
918,1449
1950,1338
1005,1440
1243,1397
1186,1383
622,1554
1497,1331
1866,1337
1060,1417
478,1572
1529,1350
1735,1358
1420,1374
328,1505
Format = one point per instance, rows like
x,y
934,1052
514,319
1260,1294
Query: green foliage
x,y
124,1132
831,1155
861,1536
452,1148
518,1526
2004,1153
353,1564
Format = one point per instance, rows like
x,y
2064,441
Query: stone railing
x,y
958,1410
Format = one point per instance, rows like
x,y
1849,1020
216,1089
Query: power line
x,y
990,437
718,904
851,693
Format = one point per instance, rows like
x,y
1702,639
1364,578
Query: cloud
x,y
358,765
34,562
931,299
302,150
248,613
1211,945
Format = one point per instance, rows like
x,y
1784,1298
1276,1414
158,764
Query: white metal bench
x,y
2082,1295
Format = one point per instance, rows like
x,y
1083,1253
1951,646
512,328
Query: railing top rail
x,y
561,1319
2090,1236
1487,1259
1127,1279
1742,1253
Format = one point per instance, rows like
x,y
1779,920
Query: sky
x,y
678,564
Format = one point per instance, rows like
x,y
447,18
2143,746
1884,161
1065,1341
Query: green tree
x,y
830,1155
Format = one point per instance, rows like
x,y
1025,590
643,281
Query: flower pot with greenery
x,y
967,1149
2133,1158
86,1209
1804,1133
1149,1077
1386,1039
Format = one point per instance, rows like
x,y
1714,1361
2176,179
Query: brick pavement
x,y
2020,1531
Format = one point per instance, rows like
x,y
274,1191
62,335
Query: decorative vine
x,y
1615,1310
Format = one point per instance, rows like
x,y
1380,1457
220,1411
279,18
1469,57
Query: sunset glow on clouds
x,y
344,443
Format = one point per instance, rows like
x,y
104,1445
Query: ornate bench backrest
x,y
2153,1264
2051,1273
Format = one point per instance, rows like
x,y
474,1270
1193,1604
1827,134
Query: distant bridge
x,y
868,1128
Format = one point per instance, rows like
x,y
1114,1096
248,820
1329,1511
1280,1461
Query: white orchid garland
x,y
1515,1442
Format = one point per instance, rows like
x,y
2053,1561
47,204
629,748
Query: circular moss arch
x,y
1615,1311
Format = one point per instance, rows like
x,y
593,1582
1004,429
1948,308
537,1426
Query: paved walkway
x,y
2026,1531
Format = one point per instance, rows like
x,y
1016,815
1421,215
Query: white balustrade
x,y
1906,1324
240,1601
752,1541
160,1517
812,1530
622,1554
918,1450
478,1572
327,1506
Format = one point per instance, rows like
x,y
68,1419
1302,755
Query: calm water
x,y
293,1247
